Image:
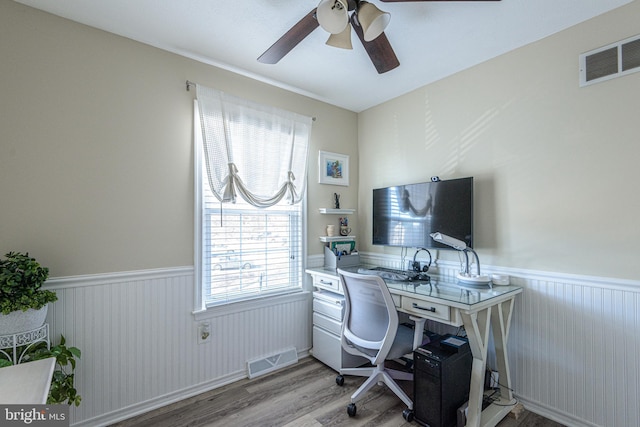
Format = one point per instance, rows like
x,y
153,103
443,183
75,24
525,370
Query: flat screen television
x,y
406,215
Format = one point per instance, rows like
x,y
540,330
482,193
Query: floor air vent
x,y
608,62
268,364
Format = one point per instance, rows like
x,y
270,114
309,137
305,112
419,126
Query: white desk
x,y
478,310
26,383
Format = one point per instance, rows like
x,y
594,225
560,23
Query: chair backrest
x,y
371,321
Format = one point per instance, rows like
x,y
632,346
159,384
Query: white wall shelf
x,y
329,211
328,239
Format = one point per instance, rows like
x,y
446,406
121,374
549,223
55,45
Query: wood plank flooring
x,y
303,395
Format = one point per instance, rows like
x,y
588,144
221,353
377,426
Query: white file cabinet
x,y
328,312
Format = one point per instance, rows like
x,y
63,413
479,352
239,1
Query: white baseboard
x,y
160,401
554,415
168,399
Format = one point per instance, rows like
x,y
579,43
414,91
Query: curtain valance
x,y
255,151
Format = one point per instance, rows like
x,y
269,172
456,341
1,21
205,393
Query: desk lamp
x,y
465,276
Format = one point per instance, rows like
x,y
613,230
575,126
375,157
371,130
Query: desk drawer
x,y
334,310
328,283
327,348
332,325
427,309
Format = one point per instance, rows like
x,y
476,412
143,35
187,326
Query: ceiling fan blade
x,y
378,49
290,39
405,1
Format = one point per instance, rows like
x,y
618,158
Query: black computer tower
x,y
442,376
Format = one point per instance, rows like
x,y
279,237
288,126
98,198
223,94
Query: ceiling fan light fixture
x,y
341,40
373,20
333,15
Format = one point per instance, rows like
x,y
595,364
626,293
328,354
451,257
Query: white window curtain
x,y
272,167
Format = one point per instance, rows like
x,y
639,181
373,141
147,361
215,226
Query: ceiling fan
x,y
337,17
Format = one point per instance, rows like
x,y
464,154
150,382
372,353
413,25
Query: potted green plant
x,y
23,303
62,388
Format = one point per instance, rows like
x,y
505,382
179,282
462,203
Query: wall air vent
x,y
615,60
270,363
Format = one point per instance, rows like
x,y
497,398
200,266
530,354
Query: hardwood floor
x,y
303,395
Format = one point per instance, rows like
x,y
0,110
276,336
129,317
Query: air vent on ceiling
x,y
615,60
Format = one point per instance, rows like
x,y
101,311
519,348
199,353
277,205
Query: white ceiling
x,y
431,39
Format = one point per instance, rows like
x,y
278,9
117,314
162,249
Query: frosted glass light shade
x,y
373,20
333,15
341,40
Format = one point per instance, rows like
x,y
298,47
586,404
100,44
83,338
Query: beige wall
x,y
96,169
555,165
96,150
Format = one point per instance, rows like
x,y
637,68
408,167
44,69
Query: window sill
x,y
225,309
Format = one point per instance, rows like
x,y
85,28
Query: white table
x,y
478,310
26,383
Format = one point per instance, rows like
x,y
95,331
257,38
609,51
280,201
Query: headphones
x,y
416,264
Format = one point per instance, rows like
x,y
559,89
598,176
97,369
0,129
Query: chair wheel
x,y
407,414
340,380
351,409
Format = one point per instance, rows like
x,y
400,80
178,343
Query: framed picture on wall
x,y
333,168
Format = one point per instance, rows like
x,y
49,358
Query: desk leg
x,y
477,327
500,323
418,332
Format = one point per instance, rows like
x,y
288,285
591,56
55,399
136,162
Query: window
x,y
249,252
250,184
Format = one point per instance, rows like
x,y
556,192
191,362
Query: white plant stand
x,y
21,342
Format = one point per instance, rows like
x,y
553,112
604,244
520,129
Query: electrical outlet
x,y
204,332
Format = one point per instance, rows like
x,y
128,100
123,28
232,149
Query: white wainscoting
x,y
575,349
574,345
138,339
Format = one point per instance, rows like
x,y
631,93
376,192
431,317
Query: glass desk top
x,y
438,287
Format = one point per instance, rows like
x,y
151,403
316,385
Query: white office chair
x,y
370,329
